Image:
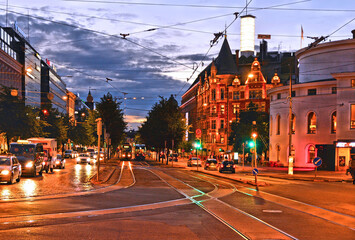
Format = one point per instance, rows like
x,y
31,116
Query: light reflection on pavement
x,y
74,178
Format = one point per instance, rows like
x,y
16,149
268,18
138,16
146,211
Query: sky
x,y
167,43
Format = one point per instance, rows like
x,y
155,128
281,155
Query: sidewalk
x,y
244,174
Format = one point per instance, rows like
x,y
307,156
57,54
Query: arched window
x,y
293,124
270,125
278,124
311,153
278,150
333,127
311,123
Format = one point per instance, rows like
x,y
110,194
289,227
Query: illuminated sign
x,y
264,36
345,144
247,31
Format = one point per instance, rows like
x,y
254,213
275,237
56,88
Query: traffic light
x,y
251,144
254,135
45,112
198,144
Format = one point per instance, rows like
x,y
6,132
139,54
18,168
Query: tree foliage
x,y
112,118
241,131
164,123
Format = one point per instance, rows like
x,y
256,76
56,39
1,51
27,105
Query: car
x,y
68,154
84,158
75,154
60,162
194,161
93,155
10,169
226,165
140,157
211,164
173,157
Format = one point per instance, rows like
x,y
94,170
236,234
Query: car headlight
x,y
29,164
77,159
95,156
57,162
5,172
88,159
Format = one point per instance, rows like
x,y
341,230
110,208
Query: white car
x,y
10,169
83,158
194,161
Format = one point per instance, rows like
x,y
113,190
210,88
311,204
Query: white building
x,y
323,108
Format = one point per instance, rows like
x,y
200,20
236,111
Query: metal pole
x,y
243,155
99,132
255,157
290,159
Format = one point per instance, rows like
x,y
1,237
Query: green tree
x,y
112,118
16,119
164,124
241,130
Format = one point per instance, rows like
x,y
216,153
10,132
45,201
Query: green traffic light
x,y
251,144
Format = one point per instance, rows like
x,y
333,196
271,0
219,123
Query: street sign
x,y
255,171
264,36
198,132
317,161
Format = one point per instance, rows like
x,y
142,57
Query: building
x,y
71,97
215,98
90,101
53,89
323,108
30,60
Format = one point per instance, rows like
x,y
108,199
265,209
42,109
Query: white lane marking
x,y
272,211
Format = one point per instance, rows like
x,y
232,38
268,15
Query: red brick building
x,y
214,100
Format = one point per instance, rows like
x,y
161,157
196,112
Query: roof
x,y
225,64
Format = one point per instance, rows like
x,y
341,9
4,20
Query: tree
x,y
241,130
112,118
57,124
164,124
16,119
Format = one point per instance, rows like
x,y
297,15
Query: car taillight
x,y
207,164
234,166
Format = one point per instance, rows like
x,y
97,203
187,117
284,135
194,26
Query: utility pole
x,y
243,154
99,132
290,157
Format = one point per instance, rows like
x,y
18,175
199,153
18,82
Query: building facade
x,y
53,89
217,96
323,109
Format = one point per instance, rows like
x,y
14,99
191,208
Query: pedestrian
x,y
351,169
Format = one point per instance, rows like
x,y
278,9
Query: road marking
x,y
272,211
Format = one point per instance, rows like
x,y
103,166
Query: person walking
x,y
351,169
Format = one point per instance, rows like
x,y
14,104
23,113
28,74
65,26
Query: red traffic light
x,y
45,111
254,135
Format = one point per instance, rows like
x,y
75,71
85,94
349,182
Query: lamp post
x,y
290,157
254,135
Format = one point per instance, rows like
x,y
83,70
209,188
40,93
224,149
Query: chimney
x,y
353,32
237,58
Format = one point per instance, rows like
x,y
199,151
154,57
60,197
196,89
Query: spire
x,y
89,97
225,61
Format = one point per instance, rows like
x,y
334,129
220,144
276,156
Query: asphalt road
x,y
154,202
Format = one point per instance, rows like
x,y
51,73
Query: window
x,y
241,95
270,125
293,124
235,95
222,139
213,124
214,109
353,83
222,124
213,94
255,94
234,109
334,90
333,127
213,138
278,150
293,94
222,109
311,153
311,123
278,124
352,116
222,93
279,96
312,91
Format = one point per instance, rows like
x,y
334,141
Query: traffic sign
x,y
317,161
198,132
255,171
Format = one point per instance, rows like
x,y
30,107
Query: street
x,y
146,200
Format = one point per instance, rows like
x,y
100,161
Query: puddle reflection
x,y
29,187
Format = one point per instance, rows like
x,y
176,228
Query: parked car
x,y
68,154
211,164
173,157
10,169
60,162
83,158
140,157
226,165
194,161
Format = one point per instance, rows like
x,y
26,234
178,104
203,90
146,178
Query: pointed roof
x,y
225,61
225,64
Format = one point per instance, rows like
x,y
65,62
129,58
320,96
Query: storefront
x,y
344,152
